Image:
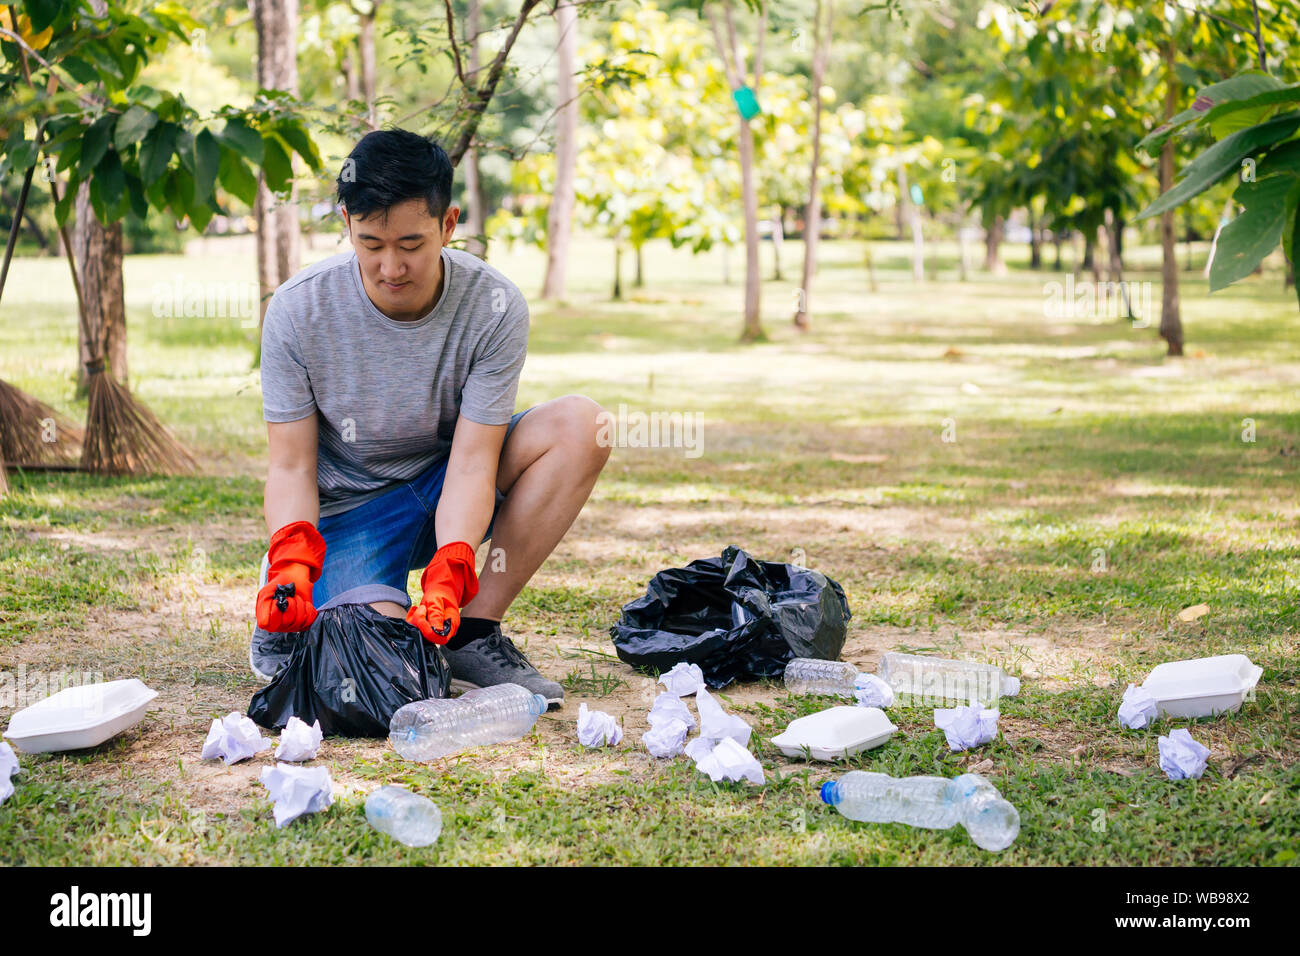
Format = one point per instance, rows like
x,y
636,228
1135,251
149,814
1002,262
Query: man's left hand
x,y
448,584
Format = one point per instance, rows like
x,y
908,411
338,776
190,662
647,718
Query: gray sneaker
x,y
494,659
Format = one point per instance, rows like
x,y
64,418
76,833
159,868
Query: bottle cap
x,y
828,794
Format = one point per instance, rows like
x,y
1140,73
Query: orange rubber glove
x,y
448,583
296,556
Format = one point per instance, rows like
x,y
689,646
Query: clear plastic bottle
x,y
428,729
932,802
808,675
406,817
936,680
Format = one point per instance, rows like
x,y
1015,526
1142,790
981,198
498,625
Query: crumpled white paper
x,y
967,726
299,742
297,790
716,723
665,738
1137,708
1181,757
684,679
8,767
597,728
234,738
728,760
668,707
872,691
699,748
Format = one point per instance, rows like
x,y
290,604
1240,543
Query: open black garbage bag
x,y
736,617
351,670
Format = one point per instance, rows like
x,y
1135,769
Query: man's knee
x,y
583,427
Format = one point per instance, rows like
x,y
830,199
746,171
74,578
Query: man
x,y
389,376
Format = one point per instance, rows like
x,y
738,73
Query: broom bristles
x,y
23,430
124,438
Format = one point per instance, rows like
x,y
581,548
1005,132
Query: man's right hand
x,y
296,556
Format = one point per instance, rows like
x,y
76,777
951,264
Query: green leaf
x,y
79,69
94,144
135,191
109,182
207,162
236,177
1293,201
1246,240
157,150
21,153
295,136
42,13
1220,160
133,126
1288,228
63,208
200,215
1227,118
68,157
276,166
245,139
1240,87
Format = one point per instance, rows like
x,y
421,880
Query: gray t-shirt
x,y
387,393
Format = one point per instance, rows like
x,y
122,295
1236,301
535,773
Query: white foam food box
x,y
1202,687
80,716
835,733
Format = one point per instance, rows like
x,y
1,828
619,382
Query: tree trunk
x,y
963,270
476,211
1109,234
813,212
618,271
1171,322
559,217
993,246
277,222
1056,241
1035,242
350,79
778,241
638,281
730,54
98,251
366,42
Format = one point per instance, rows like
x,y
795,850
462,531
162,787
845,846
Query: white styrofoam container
x,y
835,733
1202,687
81,716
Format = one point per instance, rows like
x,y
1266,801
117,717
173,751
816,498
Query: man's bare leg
x,y
549,465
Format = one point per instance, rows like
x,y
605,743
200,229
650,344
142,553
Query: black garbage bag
x,y
736,617
351,670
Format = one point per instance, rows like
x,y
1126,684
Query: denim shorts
x,y
371,549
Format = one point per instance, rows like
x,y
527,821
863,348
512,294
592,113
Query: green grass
x,y
1093,490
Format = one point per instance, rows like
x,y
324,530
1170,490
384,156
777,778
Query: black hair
x,y
390,166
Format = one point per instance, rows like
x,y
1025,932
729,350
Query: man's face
x,y
400,252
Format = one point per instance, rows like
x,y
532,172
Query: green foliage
x,y
1254,119
138,147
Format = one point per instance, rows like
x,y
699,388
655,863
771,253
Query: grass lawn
x,y
984,481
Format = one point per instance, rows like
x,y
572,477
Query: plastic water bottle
x,y
935,680
406,817
428,729
932,802
808,675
